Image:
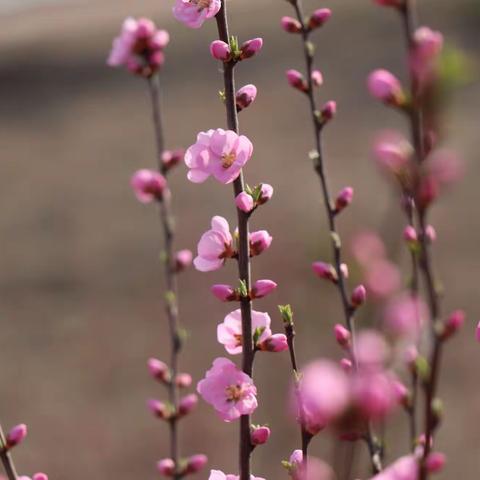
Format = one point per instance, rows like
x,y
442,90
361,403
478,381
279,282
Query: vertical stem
x,y
243,247
171,305
6,457
320,169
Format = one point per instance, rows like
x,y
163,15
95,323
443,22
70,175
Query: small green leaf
x,y
287,314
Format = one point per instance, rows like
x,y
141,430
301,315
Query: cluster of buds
x,y
227,293
187,466
251,198
317,19
233,52
139,47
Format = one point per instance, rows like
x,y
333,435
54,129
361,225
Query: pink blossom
x,y
262,288
291,25
219,475
220,50
372,351
194,12
367,246
230,391
16,435
405,468
259,434
296,80
386,87
229,333
374,393
405,316
427,47
245,96
250,48
317,78
187,404
328,111
244,202
359,296
344,198
324,394
444,167
196,463
149,185
392,152
183,259
275,343
166,467
225,293
259,242
382,278
139,47
319,18
317,469
214,246
221,153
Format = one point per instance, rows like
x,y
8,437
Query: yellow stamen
x,y
228,159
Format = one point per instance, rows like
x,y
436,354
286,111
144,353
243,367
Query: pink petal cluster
x,y
139,47
324,394
219,475
230,391
405,316
221,153
214,246
193,13
149,185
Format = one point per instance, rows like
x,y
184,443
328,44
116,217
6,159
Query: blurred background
x,y
80,283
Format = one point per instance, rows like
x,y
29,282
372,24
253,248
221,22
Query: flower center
x,y
228,159
234,392
201,4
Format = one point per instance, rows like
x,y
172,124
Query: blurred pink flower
x,y
317,469
148,185
382,278
324,394
229,333
221,153
230,391
405,316
219,475
405,468
386,87
392,152
194,12
214,246
372,351
366,246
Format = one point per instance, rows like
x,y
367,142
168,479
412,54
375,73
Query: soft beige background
x,y
80,287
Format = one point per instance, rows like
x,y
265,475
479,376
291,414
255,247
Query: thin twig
x,y
243,246
170,273
6,457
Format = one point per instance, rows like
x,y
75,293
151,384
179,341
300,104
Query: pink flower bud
x,y
410,356
390,3
325,270
183,380
319,18
166,467
435,462
187,404
250,48
328,111
40,476
244,202
430,233
183,259
291,25
266,193
159,370
386,87
359,295
196,463
274,343
158,408
346,365
16,435
401,392
392,152
245,97
344,270
342,335
225,293
454,323
171,158
410,234
145,28
262,288
259,242
220,50
317,78
296,80
344,198
259,434
148,185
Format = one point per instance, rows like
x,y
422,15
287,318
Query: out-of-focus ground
x,y
80,283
